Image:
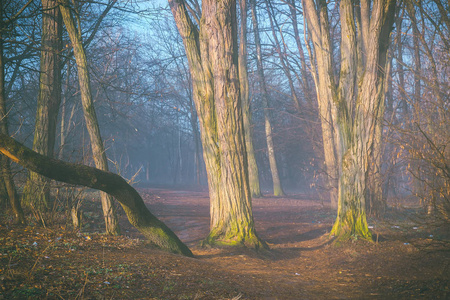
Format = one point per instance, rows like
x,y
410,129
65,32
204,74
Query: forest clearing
x,y
409,260
224,149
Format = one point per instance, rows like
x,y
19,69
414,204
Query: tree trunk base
x,y
351,226
234,239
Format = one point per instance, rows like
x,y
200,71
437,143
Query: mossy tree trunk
x,y
355,97
277,188
5,164
98,150
253,173
138,214
37,190
212,54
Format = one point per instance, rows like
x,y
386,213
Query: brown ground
x,y
55,263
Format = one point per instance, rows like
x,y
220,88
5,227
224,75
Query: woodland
x,y
224,149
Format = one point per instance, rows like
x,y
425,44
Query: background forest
x,y
142,93
108,84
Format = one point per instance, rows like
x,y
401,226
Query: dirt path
x,y
59,263
301,263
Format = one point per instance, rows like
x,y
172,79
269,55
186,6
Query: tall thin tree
x,y
277,188
37,189
7,177
253,173
98,150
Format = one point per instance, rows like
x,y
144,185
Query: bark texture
x,y
212,54
355,99
319,33
253,173
98,150
37,189
138,214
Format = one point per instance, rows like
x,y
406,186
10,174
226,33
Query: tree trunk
x,y
357,98
318,29
5,164
253,173
98,151
277,188
400,63
138,214
37,189
197,146
213,62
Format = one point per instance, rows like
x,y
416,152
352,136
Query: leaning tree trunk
x,y
253,173
37,190
5,164
98,150
277,188
213,62
138,214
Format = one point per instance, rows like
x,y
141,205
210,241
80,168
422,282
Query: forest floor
x,y
407,260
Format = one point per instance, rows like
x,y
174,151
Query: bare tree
x,y
253,174
37,190
351,104
212,52
277,188
98,150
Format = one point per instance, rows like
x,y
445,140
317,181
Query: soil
x,y
407,260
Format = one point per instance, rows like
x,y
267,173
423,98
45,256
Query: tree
x,y
253,174
98,150
212,53
138,214
7,179
351,103
277,188
37,190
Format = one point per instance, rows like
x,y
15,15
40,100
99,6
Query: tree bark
x,y
37,189
6,176
213,61
318,31
356,97
98,150
253,173
277,188
138,214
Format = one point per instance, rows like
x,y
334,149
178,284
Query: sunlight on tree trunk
x,y
98,150
355,99
320,37
212,54
253,173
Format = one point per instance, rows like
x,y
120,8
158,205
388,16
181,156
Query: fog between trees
x,y
346,100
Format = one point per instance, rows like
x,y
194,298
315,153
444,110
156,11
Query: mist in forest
x,y
142,92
